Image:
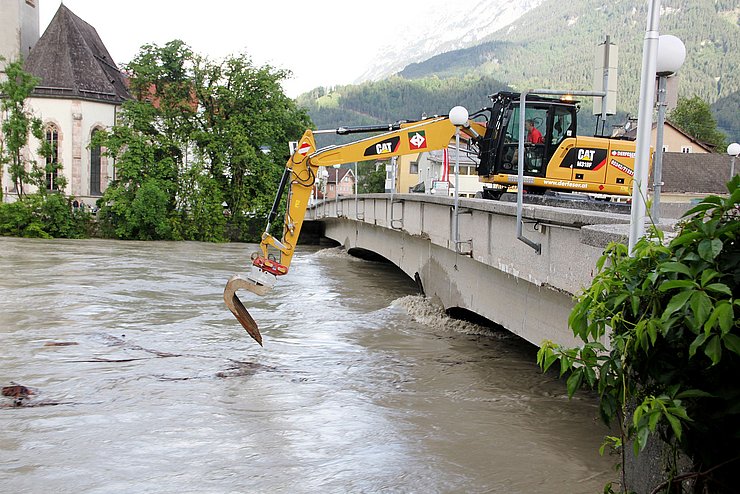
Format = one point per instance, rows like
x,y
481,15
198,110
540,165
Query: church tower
x,y
19,29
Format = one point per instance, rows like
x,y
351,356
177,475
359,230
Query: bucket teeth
x,y
237,307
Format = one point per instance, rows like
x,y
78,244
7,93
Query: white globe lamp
x,y
733,150
459,116
671,55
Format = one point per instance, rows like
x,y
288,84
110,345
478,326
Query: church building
x,y
80,93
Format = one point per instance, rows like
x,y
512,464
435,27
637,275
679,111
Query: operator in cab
x,y
534,136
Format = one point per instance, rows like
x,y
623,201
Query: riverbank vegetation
x,y
669,372
200,149
44,213
198,152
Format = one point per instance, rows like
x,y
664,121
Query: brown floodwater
x,y
143,381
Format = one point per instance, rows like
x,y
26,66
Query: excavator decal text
x,y
622,168
584,159
383,147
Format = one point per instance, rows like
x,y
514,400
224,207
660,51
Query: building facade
x,y
80,93
19,31
339,182
433,172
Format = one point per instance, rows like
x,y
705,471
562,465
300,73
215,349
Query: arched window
x,y
52,159
94,167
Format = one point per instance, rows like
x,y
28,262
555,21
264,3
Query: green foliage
x,y
15,218
45,216
370,180
199,213
669,313
18,124
728,118
188,143
191,141
693,116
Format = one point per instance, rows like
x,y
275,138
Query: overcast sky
x,y
324,42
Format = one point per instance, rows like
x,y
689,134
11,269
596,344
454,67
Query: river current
x,y
143,381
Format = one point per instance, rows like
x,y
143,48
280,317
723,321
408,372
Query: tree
x,y
193,137
245,110
19,124
149,145
670,313
371,178
694,116
39,214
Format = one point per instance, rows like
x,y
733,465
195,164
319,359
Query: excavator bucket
x,y
236,306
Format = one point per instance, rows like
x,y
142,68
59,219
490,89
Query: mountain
x,y
552,46
444,26
392,99
726,111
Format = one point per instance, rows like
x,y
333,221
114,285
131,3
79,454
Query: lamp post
x,y
644,124
458,118
670,58
336,190
733,150
324,176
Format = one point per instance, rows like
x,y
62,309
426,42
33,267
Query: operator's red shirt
x,y
535,136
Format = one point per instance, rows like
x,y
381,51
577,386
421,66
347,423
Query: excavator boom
x,y
555,158
298,179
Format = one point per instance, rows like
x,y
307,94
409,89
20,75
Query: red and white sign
x,y
304,148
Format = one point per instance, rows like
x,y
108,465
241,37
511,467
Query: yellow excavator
x,y
556,159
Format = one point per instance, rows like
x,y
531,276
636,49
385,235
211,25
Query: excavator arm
x,y
299,176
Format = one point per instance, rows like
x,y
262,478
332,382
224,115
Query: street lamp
x,y
670,57
644,124
733,150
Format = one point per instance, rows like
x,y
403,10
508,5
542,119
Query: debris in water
x,y
244,369
17,392
60,343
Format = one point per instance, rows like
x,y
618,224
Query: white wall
x,y
19,29
75,120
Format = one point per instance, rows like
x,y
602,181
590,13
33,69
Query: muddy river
x,y
142,381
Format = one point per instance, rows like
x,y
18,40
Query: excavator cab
x,y
552,121
554,158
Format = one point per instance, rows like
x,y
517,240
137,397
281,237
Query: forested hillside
x,y
727,112
393,99
553,46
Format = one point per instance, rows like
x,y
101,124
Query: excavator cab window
x,y
553,121
535,145
561,127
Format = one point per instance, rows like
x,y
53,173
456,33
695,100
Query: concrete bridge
x,y
491,272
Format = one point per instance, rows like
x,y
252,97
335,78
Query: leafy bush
x,y
44,216
671,366
14,218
